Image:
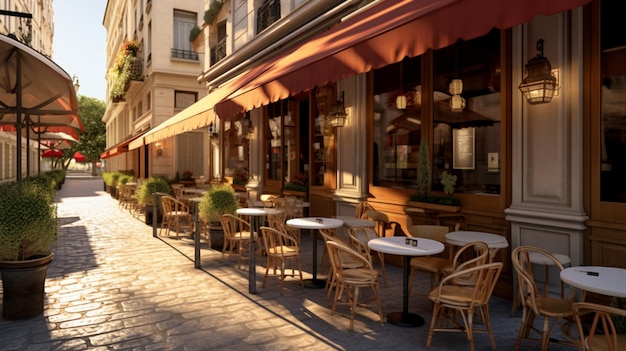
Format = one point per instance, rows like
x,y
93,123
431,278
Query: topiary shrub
x,y
218,200
149,187
28,223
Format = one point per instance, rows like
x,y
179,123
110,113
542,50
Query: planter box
x,y
294,193
434,207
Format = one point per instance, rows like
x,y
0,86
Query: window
x,y
613,105
397,129
467,143
282,150
149,56
218,51
237,148
268,13
184,99
183,23
464,143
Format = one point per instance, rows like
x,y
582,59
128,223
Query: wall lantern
x,y
540,84
337,115
457,102
159,149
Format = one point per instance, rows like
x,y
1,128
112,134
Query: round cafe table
x,y
256,215
397,245
315,223
493,241
609,281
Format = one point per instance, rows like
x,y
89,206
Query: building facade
x,y
152,75
542,173
32,23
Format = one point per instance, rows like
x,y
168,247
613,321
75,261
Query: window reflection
x,y
613,94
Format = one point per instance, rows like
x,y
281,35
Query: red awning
x,y
379,36
119,148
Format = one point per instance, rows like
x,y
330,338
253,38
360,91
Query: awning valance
x,y
196,116
381,35
120,147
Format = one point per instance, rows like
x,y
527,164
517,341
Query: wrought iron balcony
x,y
185,54
268,13
218,51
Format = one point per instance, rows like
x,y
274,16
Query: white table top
x,y
537,258
254,211
461,238
315,223
351,222
610,281
397,245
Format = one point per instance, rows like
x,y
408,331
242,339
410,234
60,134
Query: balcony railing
x,y
218,52
185,54
268,13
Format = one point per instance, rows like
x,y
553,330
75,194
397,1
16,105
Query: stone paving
x,y
113,286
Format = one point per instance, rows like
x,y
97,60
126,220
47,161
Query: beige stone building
x,y
152,75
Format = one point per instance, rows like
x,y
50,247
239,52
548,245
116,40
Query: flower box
x,y
434,207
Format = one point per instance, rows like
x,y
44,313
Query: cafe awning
x,y
120,147
381,35
196,116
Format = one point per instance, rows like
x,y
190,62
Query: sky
x,y
79,43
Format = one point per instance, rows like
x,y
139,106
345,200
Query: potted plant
x,y
145,195
422,199
28,228
216,201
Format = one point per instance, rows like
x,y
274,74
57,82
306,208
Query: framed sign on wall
x,y
463,148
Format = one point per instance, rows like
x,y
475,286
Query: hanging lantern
x,y
337,115
401,102
540,84
457,102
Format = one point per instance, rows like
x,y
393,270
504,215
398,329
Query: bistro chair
x,y
278,222
281,249
453,302
237,235
469,255
359,237
362,208
348,262
350,280
383,224
600,334
535,304
174,212
434,265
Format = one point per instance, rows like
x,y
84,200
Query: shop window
x,y
184,99
397,123
281,142
466,139
237,149
613,108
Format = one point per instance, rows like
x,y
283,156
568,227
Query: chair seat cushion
x,y
453,295
241,236
430,264
286,250
554,307
356,276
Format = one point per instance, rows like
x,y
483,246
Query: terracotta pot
x,y
23,287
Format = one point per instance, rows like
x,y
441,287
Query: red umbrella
x,y
52,153
79,157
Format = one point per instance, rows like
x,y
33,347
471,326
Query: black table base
x,y
402,319
314,283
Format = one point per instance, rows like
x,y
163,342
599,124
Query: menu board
x,y
463,148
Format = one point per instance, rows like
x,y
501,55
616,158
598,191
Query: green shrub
x,y
149,187
125,178
218,200
195,31
28,223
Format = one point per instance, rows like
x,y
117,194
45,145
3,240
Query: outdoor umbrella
x,y
34,92
52,153
79,157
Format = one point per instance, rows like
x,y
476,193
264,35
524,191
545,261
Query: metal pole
x,y
252,254
196,235
155,204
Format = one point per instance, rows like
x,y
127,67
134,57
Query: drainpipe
x,y
273,41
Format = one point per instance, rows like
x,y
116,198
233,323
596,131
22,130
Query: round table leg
x,y
314,283
402,319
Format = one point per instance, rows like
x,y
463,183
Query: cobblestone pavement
x,y
113,286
